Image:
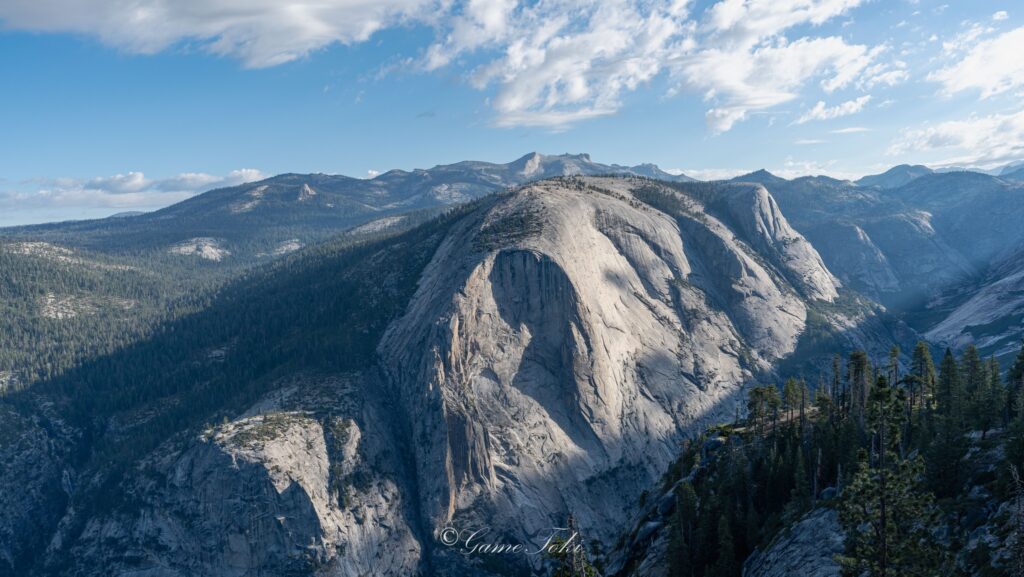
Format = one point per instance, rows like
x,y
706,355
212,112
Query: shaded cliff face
x,y
902,245
988,312
306,482
562,342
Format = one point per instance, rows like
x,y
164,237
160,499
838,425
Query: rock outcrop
x,y
562,343
306,482
807,549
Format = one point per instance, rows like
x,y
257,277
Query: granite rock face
x,y
305,483
562,343
563,340
36,482
807,549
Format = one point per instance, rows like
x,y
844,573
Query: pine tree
x,y
790,397
837,393
801,496
922,376
992,400
859,376
725,565
569,554
894,365
975,385
885,512
682,542
949,393
1015,385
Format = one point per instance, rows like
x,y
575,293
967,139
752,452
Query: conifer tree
x,y
992,400
859,376
790,397
725,565
975,385
949,394
838,397
948,444
922,376
885,512
683,542
1015,384
801,485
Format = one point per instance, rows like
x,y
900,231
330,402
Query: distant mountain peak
x,y
760,176
896,176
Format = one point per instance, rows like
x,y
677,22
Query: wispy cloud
x,y
850,130
129,191
711,173
260,33
549,64
982,141
794,168
992,66
822,112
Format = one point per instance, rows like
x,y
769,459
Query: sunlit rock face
x,y
562,342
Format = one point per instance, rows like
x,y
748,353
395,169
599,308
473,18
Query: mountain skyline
x,y
108,107
134,193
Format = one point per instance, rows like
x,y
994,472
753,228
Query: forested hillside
x,y
918,463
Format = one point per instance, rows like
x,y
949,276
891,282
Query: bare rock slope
x,y
562,342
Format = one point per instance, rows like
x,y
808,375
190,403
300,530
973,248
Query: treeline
x,y
885,447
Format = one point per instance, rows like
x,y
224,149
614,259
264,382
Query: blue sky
x,y
110,106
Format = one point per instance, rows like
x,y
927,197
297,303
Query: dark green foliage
x,y
887,515
59,308
214,362
746,482
1015,385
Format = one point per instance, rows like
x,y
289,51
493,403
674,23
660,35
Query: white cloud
x,y
809,141
740,82
991,66
712,173
121,191
1000,16
822,112
746,22
982,141
552,63
257,32
556,63
745,63
797,168
850,130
